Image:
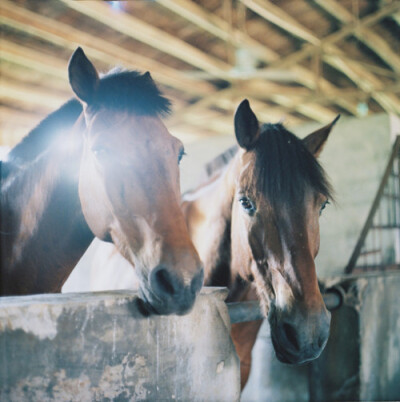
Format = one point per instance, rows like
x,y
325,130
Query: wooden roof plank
x,y
218,27
69,37
365,35
308,50
164,42
277,16
215,25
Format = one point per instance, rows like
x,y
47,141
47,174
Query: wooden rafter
x,y
215,25
347,30
141,31
358,75
69,37
135,28
32,59
31,95
365,35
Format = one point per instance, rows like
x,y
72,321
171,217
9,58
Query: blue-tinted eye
x,y
247,205
181,154
323,206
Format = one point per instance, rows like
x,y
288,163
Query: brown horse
x,y
255,226
102,166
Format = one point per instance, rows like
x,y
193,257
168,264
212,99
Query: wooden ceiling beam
x,y
139,30
34,60
364,35
277,16
69,37
366,81
357,74
24,94
143,32
347,30
220,28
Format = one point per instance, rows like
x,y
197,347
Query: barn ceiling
x,y
298,60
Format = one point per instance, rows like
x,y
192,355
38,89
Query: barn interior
x,y
301,62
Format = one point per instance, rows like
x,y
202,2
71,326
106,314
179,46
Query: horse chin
x,y
288,357
148,308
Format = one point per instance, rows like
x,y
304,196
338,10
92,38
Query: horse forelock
x,y
285,170
133,91
219,162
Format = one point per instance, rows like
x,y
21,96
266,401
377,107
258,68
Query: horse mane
x,y
130,90
219,162
118,89
46,131
285,168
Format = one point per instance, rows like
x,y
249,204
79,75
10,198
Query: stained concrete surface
x,y
99,347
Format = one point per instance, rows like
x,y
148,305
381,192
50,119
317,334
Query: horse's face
x,y
280,240
130,195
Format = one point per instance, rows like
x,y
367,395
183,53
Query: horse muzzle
x,y
168,293
300,340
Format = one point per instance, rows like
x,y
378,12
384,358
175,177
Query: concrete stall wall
x,y
98,346
361,360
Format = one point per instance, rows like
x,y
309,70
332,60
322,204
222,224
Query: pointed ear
x,y
247,128
315,141
83,76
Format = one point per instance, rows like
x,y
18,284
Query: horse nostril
x,y
291,335
163,281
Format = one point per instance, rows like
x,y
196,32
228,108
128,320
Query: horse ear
x,y
247,128
315,141
83,76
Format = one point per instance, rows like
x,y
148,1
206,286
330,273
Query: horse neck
x,y
43,231
208,212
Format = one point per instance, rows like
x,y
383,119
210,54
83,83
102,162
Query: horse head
x,y
129,183
281,191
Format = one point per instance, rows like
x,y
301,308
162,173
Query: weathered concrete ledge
x,y
98,346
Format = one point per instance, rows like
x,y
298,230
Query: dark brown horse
x,y
102,166
255,226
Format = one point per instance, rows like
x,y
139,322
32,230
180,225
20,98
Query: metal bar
x,y
367,252
250,310
379,267
369,222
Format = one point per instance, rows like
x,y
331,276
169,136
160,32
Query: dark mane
x,y
47,130
285,168
220,161
132,91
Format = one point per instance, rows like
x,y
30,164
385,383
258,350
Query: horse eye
x,y
323,206
247,205
181,155
100,152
